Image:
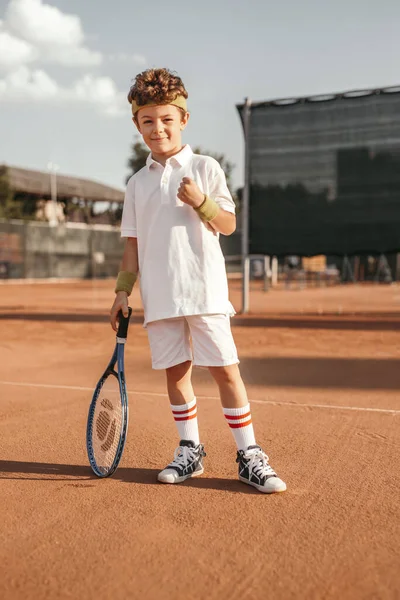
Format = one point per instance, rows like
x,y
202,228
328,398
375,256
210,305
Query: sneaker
x,y
255,470
187,463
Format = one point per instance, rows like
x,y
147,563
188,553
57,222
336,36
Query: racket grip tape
x,y
123,324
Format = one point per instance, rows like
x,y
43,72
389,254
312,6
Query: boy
x,y
174,209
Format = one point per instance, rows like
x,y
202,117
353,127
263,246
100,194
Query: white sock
x,y
185,416
239,420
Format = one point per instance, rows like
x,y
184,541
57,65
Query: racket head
x,y
107,424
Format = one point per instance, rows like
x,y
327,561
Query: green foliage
x,y
238,199
137,160
26,205
15,205
226,165
9,209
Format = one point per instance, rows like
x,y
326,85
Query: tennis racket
x,y
108,412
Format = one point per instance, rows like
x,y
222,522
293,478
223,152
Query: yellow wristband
x,y
125,282
208,210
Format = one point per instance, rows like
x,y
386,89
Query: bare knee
x,y
179,372
228,375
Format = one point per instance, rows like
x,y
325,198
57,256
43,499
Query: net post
x,y
274,271
266,273
245,210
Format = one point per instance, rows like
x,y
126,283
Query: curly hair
x,y
157,86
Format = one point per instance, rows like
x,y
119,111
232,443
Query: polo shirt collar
x,y
182,158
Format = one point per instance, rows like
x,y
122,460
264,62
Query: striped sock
x,y
239,420
185,416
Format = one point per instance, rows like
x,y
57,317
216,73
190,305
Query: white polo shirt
x,y
182,268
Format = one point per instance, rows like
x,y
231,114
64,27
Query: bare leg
x,y
235,404
183,402
179,384
254,468
188,457
231,387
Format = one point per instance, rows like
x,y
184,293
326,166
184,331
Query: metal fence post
x,y
245,210
266,273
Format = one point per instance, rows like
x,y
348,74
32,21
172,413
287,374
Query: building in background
x,y
56,198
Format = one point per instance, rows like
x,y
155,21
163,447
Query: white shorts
x,y
206,340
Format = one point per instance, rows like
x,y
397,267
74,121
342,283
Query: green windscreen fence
x,y
325,174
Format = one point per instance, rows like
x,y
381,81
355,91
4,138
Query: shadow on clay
x,y
80,475
362,322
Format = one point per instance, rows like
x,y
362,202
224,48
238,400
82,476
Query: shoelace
x,y
259,464
182,455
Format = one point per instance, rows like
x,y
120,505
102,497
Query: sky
x,y
67,65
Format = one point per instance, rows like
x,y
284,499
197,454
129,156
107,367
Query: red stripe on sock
x,y
186,418
236,425
183,412
237,417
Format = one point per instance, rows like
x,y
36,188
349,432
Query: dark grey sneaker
x,y
255,470
187,463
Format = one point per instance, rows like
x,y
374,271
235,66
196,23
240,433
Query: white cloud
x,y
138,59
70,56
57,36
42,23
100,91
33,31
25,85
15,52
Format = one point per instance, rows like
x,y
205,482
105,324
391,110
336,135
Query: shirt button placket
x,y
165,184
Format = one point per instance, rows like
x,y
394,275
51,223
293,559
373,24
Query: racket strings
x,y
107,424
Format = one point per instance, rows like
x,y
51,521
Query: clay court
x,y
322,368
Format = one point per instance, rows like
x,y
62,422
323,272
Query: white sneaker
x,y
187,463
255,470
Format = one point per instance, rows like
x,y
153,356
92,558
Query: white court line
x,y
271,402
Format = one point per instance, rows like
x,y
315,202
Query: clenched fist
x,y
190,193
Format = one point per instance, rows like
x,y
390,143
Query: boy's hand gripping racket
x,y
108,413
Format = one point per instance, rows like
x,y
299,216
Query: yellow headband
x,y
180,102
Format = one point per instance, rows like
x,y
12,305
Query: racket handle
x,y
123,324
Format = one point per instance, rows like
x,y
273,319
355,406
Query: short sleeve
x,y
128,222
219,191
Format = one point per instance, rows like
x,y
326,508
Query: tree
x,y
137,160
140,152
9,209
226,165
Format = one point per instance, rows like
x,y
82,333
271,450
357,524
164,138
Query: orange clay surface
x,y
322,367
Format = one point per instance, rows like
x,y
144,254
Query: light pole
x,y
53,168
245,209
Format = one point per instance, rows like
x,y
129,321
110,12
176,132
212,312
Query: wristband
x,y
125,282
208,210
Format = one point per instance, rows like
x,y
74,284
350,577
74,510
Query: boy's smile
x,y
161,127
